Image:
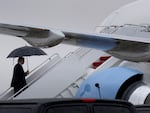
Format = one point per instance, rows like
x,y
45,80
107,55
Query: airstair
x,y
70,91
34,75
61,77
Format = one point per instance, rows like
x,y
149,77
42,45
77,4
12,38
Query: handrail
x,y
82,51
80,78
7,90
50,58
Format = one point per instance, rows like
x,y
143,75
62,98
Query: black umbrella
x,y
26,51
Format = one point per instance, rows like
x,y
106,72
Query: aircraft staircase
x,y
102,63
61,77
34,75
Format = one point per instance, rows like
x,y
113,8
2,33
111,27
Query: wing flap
x,y
107,35
90,40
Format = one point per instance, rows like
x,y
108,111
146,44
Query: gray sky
x,y
81,15
75,15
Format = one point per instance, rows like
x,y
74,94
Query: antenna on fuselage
x,y
98,87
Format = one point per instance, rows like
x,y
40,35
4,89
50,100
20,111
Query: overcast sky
x,y
69,14
76,15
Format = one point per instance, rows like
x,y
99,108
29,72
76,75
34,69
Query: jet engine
x,y
116,83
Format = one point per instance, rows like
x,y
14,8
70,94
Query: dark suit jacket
x,y
18,80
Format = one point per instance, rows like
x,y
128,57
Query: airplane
x,y
124,35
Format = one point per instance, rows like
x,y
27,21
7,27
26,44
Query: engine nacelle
x,y
116,83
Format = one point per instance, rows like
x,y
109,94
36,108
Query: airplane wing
x,y
129,47
34,36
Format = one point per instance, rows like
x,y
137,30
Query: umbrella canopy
x,y
26,51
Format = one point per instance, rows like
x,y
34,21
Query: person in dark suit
x,y
18,80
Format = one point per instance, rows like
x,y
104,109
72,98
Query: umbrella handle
x,y
27,64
